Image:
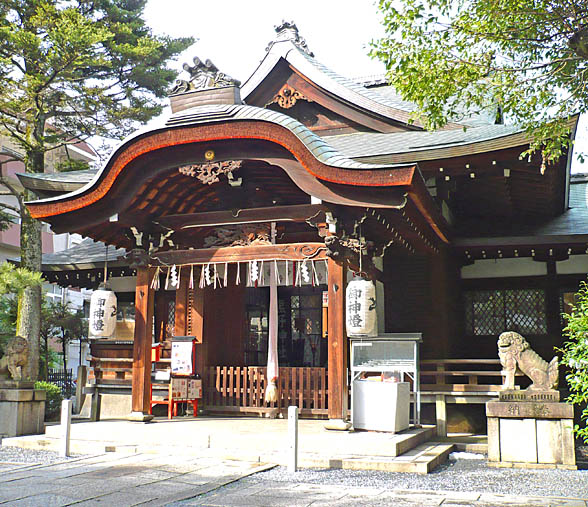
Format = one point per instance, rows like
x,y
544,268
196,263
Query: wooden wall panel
x,y
422,296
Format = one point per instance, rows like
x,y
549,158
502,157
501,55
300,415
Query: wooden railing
x,y
241,389
467,375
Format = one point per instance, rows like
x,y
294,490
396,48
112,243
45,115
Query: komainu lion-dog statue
x,y
513,351
16,358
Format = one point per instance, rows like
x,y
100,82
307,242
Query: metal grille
x,y
64,379
490,312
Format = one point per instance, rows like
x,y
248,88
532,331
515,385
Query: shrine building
x,y
312,178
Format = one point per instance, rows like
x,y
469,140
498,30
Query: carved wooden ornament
x,y
287,97
209,172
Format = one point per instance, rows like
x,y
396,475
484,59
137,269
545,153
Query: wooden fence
x,y
241,389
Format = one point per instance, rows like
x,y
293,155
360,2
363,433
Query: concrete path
x,y
120,479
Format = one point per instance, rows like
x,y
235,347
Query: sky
x,y
234,35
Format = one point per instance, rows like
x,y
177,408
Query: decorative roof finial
x,y
287,30
203,75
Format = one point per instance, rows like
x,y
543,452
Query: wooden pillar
x,y
181,312
141,397
196,329
337,342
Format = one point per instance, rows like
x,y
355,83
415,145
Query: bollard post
x,y
65,427
293,439
80,384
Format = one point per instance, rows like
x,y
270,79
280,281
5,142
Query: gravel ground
x,y
30,456
462,472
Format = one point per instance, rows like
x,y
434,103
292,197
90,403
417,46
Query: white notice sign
x,y
181,358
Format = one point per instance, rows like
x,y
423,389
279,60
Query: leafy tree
x,y
575,357
65,325
47,331
15,280
530,57
69,70
8,311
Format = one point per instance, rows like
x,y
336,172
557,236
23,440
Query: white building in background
x,y
11,164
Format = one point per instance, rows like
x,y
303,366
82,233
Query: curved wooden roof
x,y
283,162
234,132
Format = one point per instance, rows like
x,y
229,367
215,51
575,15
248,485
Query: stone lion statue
x,y
513,351
15,359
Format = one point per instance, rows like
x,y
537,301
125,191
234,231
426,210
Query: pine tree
x,y
70,70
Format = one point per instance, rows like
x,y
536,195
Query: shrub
x,y
54,398
575,357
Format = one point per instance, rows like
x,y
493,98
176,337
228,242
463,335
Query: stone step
x,y
473,448
395,445
421,460
49,443
410,439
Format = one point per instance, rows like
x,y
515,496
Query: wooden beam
x,y
141,386
521,241
294,213
289,251
337,342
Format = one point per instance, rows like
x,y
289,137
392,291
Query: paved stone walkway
x,y
241,494
120,479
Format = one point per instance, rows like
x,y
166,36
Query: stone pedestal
x,y
530,434
22,409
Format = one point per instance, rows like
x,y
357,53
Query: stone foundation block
x,y
530,435
22,411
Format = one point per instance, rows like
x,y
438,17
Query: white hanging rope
x,y
155,281
298,282
202,281
315,277
167,278
191,283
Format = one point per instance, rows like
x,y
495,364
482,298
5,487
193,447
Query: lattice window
x,y
171,319
490,312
